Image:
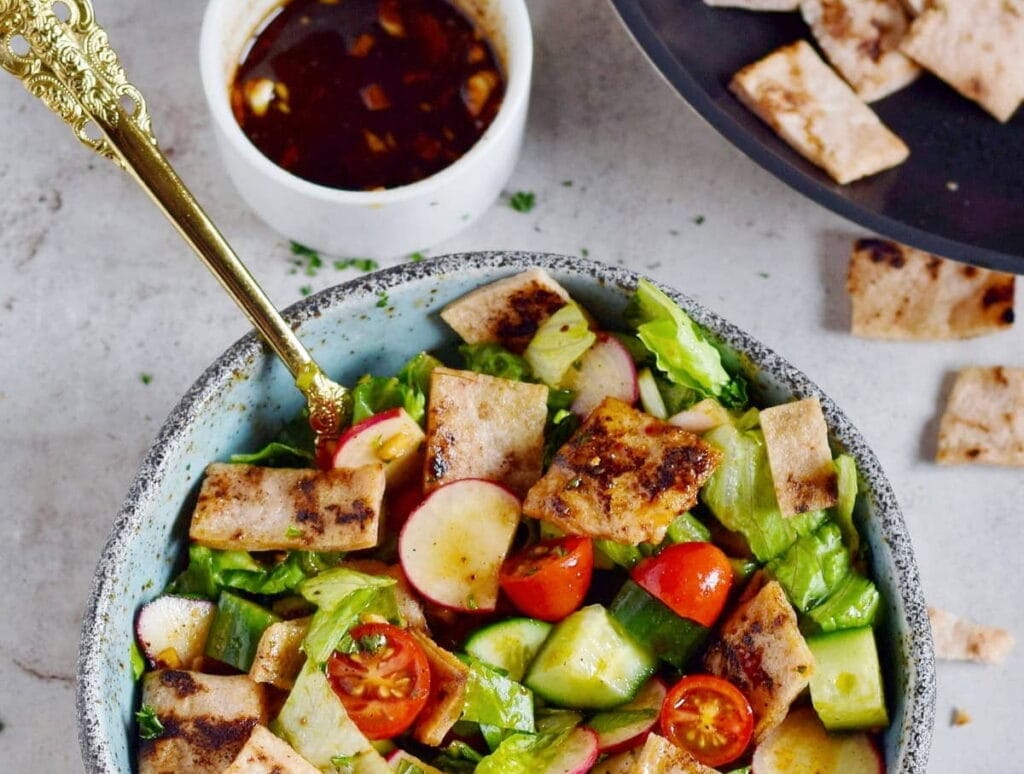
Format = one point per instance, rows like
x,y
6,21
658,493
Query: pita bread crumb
x,y
796,439
861,39
915,7
984,418
815,111
756,5
898,292
977,47
957,639
959,717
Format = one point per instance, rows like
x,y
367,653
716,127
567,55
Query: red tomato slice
x,y
384,683
709,718
548,580
693,579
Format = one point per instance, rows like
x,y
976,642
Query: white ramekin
x,y
372,224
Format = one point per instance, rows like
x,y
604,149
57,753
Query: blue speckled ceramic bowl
x,y
247,395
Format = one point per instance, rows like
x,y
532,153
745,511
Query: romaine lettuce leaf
x,y
559,342
854,603
495,360
846,474
329,589
813,567
523,754
682,350
210,571
408,390
741,494
492,699
290,448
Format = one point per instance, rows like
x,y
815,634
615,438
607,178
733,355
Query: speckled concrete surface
x,y
95,290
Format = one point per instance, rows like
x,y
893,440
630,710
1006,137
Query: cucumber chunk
x,y
236,630
846,687
510,645
590,662
670,637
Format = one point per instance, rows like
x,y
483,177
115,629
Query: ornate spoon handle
x,y
63,57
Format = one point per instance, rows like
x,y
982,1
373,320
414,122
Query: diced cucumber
x,y
590,662
236,630
687,529
670,637
650,395
618,553
510,645
846,687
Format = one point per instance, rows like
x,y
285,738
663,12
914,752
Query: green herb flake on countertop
x,y
699,220
584,252
312,261
567,184
417,257
305,290
362,264
146,378
522,201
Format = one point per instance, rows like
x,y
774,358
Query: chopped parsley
x,y
382,299
293,532
150,726
371,643
146,378
417,257
584,252
673,231
699,220
137,661
763,274
306,290
362,264
471,603
312,262
522,201
343,764
567,184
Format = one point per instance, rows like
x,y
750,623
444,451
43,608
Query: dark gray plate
x,y
952,141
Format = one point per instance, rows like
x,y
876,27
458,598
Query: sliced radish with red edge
x,y
391,438
628,726
606,370
173,629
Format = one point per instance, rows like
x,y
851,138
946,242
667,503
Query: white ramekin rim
x,y
514,24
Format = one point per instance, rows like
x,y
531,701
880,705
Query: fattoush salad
x,y
575,550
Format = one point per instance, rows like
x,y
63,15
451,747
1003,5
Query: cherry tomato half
x,y
709,718
548,580
693,579
384,683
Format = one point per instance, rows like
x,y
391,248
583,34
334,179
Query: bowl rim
x,y
919,717
514,23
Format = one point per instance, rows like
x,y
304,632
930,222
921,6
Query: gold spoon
x,y
63,57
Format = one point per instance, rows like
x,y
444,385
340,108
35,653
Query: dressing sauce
x,y
366,94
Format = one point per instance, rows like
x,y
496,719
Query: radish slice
x,y
391,438
576,755
172,630
606,371
701,417
453,544
801,745
628,726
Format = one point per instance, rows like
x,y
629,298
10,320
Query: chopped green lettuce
x,y
495,360
741,495
408,390
292,447
458,757
554,721
493,699
813,567
328,628
559,342
136,660
523,754
846,474
329,589
687,529
210,571
853,604
681,349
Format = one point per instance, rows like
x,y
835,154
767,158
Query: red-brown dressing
x,y
366,94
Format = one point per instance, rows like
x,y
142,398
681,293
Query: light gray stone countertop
x,y
96,289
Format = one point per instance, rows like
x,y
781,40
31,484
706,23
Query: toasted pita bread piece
x,y
481,426
915,7
508,311
861,39
984,418
756,5
976,47
898,292
660,756
796,439
265,753
622,476
957,639
815,111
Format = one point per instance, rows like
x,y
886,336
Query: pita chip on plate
x,y
861,39
957,639
984,418
796,439
756,5
976,46
815,111
898,292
